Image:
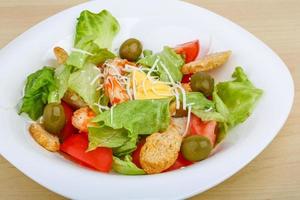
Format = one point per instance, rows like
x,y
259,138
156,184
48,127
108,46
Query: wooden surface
x,y
275,173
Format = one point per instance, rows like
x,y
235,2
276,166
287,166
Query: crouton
x,y
60,54
45,139
209,62
160,150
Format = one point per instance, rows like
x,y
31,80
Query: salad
x,y
133,111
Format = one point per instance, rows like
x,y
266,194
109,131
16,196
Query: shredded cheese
x,y
99,88
178,85
167,72
82,51
95,79
188,120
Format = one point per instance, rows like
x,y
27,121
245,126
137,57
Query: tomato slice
x,y
207,129
69,129
189,50
179,163
76,146
186,78
136,153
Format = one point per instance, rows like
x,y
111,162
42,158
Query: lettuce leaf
x,y
126,166
235,100
203,107
138,116
101,56
38,86
97,28
94,31
127,147
82,82
169,60
61,77
106,137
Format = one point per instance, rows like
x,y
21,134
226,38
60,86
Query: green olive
x,y
131,49
54,118
202,82
196,148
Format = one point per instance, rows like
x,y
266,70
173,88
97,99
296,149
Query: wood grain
x,y
275,173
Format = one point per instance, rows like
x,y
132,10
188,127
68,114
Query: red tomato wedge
x,y
186,78
207,129
69,129
136,153
76,146
189,50
179,163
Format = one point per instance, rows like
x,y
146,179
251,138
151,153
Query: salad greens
x,y
235,99
154,114
61,78
128,147
38,86
94,34
203,107
126,166
169,64
84,82
105,136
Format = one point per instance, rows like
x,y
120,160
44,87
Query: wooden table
x,y
275,173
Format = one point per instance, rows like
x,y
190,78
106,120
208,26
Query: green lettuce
x,y
138,116
203,107
38,86
128,147
106,137
101,56
167,59
83,83
94,32
61,77
235,100
126,166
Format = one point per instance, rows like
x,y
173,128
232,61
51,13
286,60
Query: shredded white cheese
x,y
188,120
178,85
167,72
99,88
95,79
82,51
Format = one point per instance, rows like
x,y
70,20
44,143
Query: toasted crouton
x,y
45,139
161,149
60,54
209,62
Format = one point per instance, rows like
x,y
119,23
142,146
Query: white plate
x,y
156,23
